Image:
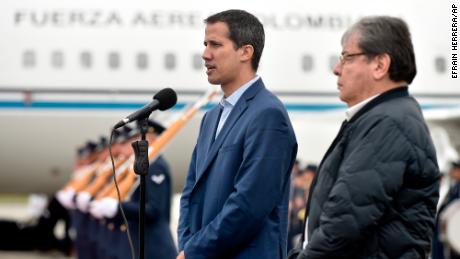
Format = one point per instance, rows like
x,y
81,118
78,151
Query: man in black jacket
x,y
376,190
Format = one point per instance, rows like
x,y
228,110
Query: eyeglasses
x,y
347,57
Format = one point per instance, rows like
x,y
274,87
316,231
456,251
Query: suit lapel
x,y
205,141
239,109
214,121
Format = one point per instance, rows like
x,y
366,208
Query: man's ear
x,y
381,66
246,53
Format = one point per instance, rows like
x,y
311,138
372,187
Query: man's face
x,y
221,59
354,73
116,149
151,137
455,174
126,149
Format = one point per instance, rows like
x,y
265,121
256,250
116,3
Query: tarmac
x,y
16,207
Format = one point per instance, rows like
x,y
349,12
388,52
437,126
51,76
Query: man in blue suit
x,y
235,200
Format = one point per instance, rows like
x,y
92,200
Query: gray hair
x,y
387,35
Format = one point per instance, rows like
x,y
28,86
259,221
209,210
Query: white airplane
x,y
69,70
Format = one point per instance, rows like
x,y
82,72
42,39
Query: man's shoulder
x,y
268,112
160,165
402,110
265,99
401,115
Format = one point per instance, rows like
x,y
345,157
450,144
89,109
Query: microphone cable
x,y
131,246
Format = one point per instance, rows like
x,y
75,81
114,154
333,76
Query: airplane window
x,y
114,60
142,61
86,59
28,58
197,62
333,61
170,61
307,63
57,59
440,64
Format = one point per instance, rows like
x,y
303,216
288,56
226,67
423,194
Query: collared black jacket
x,y
376,191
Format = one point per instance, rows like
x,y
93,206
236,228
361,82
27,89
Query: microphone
x,y
163,100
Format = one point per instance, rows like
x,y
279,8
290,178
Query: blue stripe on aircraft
x,y
113,106
312,107
75,105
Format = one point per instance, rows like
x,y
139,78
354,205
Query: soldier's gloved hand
x,y
109,207
95,209
83,199
37,204
65,197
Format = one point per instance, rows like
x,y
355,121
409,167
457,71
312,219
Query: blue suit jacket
x,y
235,200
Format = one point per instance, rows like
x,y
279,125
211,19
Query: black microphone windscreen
x,y
167,98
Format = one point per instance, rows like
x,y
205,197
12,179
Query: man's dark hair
x,y
390,35
245,29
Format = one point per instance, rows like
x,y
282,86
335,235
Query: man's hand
x,y
181,255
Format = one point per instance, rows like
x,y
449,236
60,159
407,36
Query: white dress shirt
x,y
228,103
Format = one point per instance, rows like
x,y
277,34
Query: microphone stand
x,y
141,167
